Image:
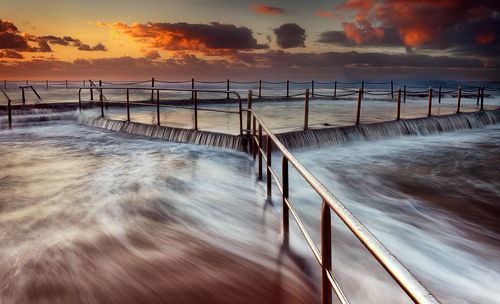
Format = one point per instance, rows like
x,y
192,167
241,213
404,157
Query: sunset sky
x,y
250,40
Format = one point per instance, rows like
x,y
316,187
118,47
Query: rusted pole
x,y
91,92
268,174
195,111
158,106
227,97
102,93
5,87
260,152
429,110
358,110
439,94
458,102
67,84
306,111
152,85
287,88
260,88
284,174
26,82
84,82
47,83
9,113
398,115
404,99
192,88
24,98
128,106
478,93
102,103
312,89
326,253
392,89
254,142
363,88
335,89
249,115
482,97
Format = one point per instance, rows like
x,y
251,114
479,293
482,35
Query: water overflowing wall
x,y
167,133
418,126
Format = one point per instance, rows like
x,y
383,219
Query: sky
x,y
242,40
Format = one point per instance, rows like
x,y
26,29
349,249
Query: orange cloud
x,y
209,39
484,38
268,10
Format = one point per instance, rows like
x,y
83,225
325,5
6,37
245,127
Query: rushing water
x,y
88,216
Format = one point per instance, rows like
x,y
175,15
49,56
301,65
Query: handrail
x,y
409,283
32,88
9,109
193,91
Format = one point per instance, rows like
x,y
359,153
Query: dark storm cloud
x,y
97,47
290,35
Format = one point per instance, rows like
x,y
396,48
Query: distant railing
x,y
159,105
414,289
9,109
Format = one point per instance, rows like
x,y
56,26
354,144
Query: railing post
x,y
429,110
227,97
482,97
128,106
287,88
358,109
192,88
249,115
260,88
326,253
260,152
67,84
312,88
335,89
91,91
398,115
9,113
26,82
102,103
47,83
458,102
392,89
268,165
439,94
5,88
254,142
404,100
284,175
152,85
23,97
478,93
158,106
84,82
363,88
306,111
195,111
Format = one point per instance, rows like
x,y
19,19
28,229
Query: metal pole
x,y
312,88
398,115
152,85
287,88
254,142
358,110
26,82
158,106
91,91
439,94
128,106
326,253
335,89
9,112
84,82
102,103
5,87
260,88
284,175
24,99
260,152
429,110
268,164
458,102
47,82
482,97
195,110
363,88
306,111
478,93
67,84
192,88
392,89
404,100
227,89
249,115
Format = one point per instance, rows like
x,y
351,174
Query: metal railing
x,y
34,91
409,283
9,110
158,105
